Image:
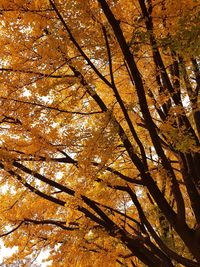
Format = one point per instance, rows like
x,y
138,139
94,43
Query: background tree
x,y
100,127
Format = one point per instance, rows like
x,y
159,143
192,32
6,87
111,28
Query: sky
x,y
7,252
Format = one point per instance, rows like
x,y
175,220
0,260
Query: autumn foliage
x,y
100,132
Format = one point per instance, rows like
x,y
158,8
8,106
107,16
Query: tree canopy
x,y
100,132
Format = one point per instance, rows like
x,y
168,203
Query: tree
x,y
100,127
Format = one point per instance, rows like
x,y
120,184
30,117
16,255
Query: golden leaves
x,y
70,115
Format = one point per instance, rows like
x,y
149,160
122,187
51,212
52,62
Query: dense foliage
x,y
100,128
